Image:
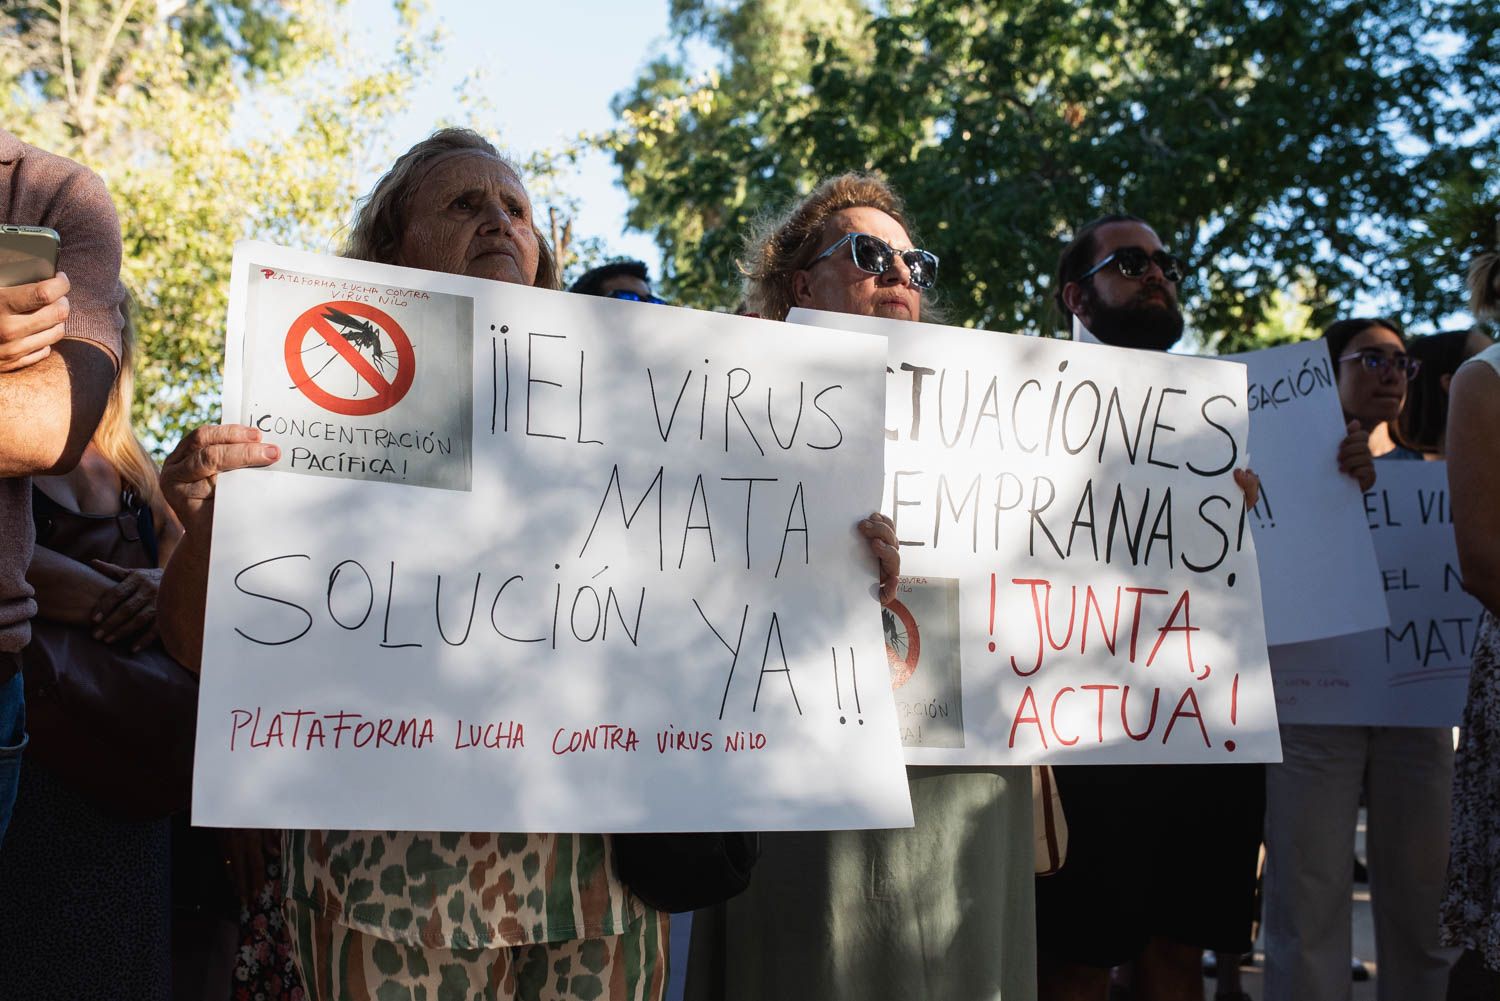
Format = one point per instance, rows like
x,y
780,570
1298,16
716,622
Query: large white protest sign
x,y
541,562
1317,563
1414,671
1081,583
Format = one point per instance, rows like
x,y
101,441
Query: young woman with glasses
x,y
1313,796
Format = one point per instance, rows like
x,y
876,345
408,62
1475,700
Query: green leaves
x,y
215,122
1295,147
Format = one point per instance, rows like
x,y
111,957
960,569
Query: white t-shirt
x,y
1082,333
1489,356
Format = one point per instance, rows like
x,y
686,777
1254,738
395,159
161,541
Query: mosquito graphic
x,y
895,634
362,336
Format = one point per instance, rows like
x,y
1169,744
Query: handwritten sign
x,y
1415,670
1084,587
1317,563
594,569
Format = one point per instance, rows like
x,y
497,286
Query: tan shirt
x,y
38,188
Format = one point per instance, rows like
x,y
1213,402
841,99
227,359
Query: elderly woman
x,y
943,910
385,914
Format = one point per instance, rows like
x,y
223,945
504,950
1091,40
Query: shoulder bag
x,y
683,872
116,726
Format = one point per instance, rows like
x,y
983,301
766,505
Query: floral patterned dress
x,y
264,966
1471,908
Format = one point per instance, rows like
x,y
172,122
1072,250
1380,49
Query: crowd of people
x,y
106,895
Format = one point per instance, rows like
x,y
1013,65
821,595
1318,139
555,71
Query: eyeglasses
x,y
629,296
1134,262
872,254
1379,361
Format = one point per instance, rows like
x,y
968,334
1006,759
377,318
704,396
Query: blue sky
x,y
549,70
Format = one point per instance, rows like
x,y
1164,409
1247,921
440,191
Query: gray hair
x,y
381,218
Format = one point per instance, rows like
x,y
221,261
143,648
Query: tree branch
x,y
95,72
65,22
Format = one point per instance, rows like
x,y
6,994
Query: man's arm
x,y
48,411
52,392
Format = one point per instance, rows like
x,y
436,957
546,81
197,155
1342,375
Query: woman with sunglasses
x,y
625,279
942,910
1313,796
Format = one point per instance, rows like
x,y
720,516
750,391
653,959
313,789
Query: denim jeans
x,y
12,741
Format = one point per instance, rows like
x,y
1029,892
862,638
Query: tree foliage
x,y
1343,148
211,121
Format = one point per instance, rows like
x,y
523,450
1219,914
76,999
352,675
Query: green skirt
x,y
942,910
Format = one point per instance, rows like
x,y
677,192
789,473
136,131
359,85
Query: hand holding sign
x,y
1354,456
882,535
190,475
1249,484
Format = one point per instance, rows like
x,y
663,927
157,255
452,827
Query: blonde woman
x,y
72,872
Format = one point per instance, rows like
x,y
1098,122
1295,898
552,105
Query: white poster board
x,y
1414,671
541,562
1081,584
1317,562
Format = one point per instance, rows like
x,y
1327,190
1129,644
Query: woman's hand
x,y
1354,456
189,479
127,611
190,474
1249,485
882,535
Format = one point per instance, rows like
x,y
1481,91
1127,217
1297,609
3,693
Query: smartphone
x,y
27,254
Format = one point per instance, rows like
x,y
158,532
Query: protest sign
x,y
1415,670
1309,525
1081,583
541,562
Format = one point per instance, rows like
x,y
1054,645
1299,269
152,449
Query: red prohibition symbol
x,y
903,642
365,339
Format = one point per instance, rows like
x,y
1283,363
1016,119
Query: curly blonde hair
x,y
781,245
380,221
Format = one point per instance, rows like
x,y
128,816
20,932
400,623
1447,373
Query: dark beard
x,y
1144,323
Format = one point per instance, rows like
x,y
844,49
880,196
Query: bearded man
x,y
1161,859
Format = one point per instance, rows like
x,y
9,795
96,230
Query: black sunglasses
x,y
1134,262
630,296
872,254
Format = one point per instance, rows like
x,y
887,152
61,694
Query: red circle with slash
x,y
903,667
388,392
